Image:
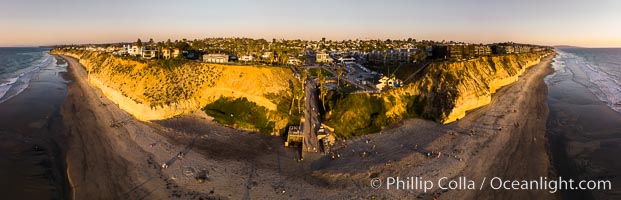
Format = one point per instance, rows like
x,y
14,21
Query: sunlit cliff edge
x,y
470,84
444,93
151,92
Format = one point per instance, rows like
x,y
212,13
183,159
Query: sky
x,y
595,23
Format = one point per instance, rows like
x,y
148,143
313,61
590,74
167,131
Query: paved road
x,y
311,116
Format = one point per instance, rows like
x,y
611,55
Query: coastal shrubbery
x,y
363,114
359,114
164,88
269,98
316,71
171,63
240,113
444,92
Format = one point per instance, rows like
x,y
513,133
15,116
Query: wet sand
x,y
585,134
32,139
504,139
113,156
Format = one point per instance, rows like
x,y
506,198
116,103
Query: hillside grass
x,y
240,113
265,92
317,71
360,114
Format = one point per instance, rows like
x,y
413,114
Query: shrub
x,y
240,112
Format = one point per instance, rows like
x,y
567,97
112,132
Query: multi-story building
x,y
216,58
402,55
323,58
439,52
522,49
481,50
168,53
457,52
135,50
503,49
149,53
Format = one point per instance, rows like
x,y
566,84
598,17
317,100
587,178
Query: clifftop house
x,y
216,58
149,53
134,50
247,58
168,53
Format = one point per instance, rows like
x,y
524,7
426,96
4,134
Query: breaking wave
x,y
11,87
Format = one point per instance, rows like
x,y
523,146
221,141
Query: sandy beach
x,y
583,131
113,156
32,138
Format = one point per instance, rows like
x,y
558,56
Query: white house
x,y
216,58
388,82
135,51
294,61
247,58
168,53
323,58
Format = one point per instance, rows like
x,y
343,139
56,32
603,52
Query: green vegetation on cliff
x,y
160,89
268,99
444,93
367,113
240,113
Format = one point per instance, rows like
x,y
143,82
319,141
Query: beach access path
x,y
504,139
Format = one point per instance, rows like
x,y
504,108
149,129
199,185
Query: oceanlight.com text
x,y
495,183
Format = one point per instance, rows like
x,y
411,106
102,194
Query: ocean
x,y
602,68
17,65
584,123
32,135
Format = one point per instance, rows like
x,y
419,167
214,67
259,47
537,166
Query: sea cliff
x,y
150,90
467,85
261,98
444,93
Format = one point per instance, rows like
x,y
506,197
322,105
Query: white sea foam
x,y
13,86
609,88
6,85
604,85
560,71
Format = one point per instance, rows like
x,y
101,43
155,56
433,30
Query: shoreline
x,y
33,137
261,164
583,131
525,154
472,147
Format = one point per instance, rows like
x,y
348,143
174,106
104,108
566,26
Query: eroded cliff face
x,y
450,89
152,92
445,93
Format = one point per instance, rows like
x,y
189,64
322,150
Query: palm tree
x,y
339,73
139,43
322,92
299,94
160,46
304,77
169,44
293,99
